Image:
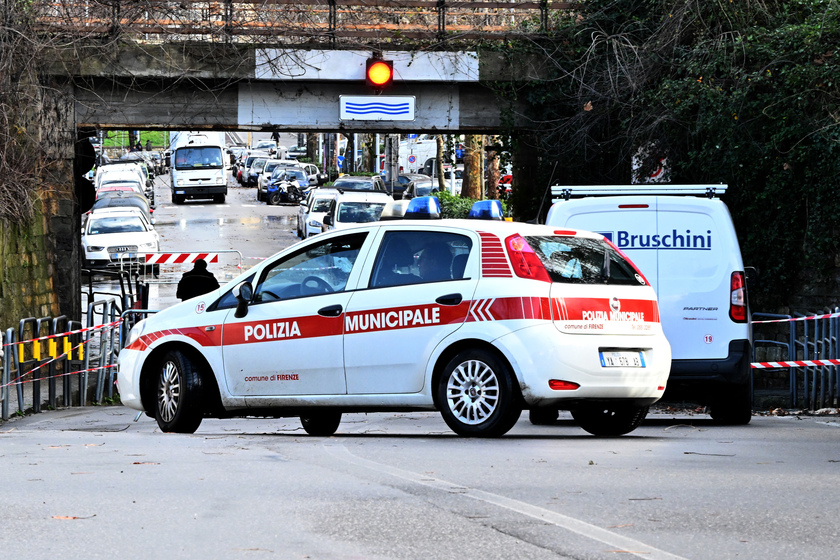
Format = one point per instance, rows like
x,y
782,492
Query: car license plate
x,y
622,359
119,256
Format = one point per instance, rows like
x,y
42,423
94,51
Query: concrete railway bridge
x,y
260,65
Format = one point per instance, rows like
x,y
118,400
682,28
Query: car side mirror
x,y
243,292
328,221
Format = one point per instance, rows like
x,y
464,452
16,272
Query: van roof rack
x,y
565,192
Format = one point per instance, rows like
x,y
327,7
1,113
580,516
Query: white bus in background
x,y
197,167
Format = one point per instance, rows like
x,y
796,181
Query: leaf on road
x,y
707,454
73,516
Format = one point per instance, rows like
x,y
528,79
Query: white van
x,y
684,242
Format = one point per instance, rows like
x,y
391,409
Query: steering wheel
x,y
316,285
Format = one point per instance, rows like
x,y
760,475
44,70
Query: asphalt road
x,y
91,483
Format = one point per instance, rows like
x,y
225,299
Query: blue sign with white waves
x,y
376,107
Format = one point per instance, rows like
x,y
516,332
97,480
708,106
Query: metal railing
x,y
52,349
802,337
299,21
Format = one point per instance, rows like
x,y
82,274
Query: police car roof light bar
x,y
486,210
566,192
423,208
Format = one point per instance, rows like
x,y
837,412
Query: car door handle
x,y
330,311
450,299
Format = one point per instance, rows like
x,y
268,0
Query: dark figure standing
x,y
196,282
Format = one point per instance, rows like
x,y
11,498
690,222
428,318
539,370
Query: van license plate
x,y
622,359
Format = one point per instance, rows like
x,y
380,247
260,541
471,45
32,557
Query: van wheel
x,y
734,407
178,198
543,416
179,394
609,420
321,423
219,198
476,395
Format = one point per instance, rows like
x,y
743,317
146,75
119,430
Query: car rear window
x,y
579,260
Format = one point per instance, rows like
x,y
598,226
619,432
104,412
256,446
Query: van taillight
x,y
526,263
738,298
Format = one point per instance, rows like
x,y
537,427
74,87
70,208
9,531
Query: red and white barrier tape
x,y
101,327
792,319
179,258
795,364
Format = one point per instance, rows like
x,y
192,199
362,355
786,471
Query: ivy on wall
x,y
739,93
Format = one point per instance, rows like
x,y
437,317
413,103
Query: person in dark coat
x,y
196,282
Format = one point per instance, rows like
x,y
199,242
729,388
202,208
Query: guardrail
x,y
299,21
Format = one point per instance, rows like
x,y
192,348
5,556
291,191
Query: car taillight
x,y
560,385
738,298
526,263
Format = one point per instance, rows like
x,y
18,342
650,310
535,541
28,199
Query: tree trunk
x,y
493,172
472,167
442,186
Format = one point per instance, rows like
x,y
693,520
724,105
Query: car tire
x,y
178,398
543,416
321,423
219,198
610,420
734,407
476,395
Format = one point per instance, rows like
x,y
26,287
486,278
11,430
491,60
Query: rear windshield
x,y
358,185
577,260
359,212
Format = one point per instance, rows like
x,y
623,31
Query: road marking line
x,y
626,544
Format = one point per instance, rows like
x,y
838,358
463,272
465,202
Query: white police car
x,y
477,319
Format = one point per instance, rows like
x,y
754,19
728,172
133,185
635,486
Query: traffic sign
x,y
412,158
340,160
412,136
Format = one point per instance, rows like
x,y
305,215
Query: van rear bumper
x,y
701,379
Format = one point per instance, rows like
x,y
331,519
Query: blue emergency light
x,y
486,210
423,208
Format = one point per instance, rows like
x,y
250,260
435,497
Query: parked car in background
x,y
405,180
265,175
296,152
269,146
123,199
254,171
416,190
355,207
245,168
312,211
281,174
113,237
360,183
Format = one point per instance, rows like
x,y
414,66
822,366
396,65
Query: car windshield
x,y
321,205
202,156
270,166
355,184
258,165
115,224
290,174
580,260
359,212
423,190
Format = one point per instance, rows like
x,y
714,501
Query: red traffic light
x,y
379,73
